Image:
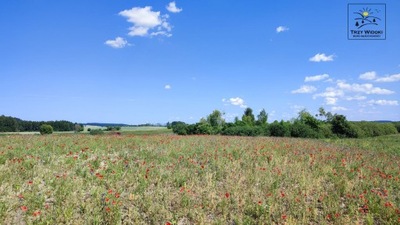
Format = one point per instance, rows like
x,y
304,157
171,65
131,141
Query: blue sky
x,y
157,61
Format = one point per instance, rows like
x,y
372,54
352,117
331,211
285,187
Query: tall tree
x,y
262,118
248,117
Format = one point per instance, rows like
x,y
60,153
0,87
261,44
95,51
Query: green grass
x,y
155,179
383,144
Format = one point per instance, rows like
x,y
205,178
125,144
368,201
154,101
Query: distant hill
x,y
123,125
107,124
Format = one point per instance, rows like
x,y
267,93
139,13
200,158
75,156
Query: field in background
x,y
160,179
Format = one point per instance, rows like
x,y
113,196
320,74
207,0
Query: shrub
x,y
46,129
96,132
180,128
280,129
302,130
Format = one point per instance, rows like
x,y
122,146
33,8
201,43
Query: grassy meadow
x,y
168,179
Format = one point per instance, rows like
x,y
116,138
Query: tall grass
x,y
166,179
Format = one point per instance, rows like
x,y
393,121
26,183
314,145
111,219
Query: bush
x,y
243,131
302,130
341,127
96,132
180,128
280,129
46,129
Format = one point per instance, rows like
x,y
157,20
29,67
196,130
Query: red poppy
x,y
24,208
227,195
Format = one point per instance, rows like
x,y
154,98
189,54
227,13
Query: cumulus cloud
x,y
167,87
356,98
368,76
236,101
331,100
147,22
363,88
391,78
384,102
316,77
321,58
305,89
281,29
172,7
374,77
118,42
338,108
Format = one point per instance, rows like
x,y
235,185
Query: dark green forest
x,y
305,125
12,124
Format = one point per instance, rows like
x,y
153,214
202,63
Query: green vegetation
x,y
322,125
170,179
11,124
46,129
96,131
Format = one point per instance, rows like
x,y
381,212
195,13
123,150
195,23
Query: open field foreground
x,y
167,179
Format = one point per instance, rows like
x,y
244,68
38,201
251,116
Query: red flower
x,y
24,208
284,216
168,223
227,195
108,209
30,182
37,213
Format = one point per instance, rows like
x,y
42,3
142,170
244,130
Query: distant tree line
x,y
12,124
305,125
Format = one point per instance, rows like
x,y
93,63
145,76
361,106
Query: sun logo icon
x,y
365,18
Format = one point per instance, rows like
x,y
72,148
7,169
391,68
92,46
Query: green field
x,y
168,179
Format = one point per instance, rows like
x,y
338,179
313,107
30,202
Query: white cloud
x,y
384,102
368,76
305,89
172,7
118,42
316,77
338,108
391,78
356,98
144,20
236,101
167,87
331,101
363,88
281,29
321,58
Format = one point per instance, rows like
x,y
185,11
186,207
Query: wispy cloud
x,y
281,29
236,101
338,108
321,58
363,88
147,22
305,89
167,87
372,75
384,102
118,42
391,78
316,78
172,7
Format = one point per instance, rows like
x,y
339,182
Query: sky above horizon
x,y
149,61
